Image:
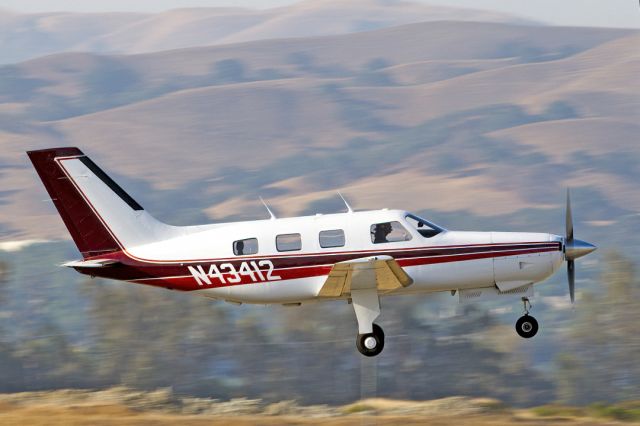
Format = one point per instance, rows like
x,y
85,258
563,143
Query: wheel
x,y
371,344
527,326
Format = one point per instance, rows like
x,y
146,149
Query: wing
x,y
380,272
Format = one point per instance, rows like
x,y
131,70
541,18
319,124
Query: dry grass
x,y
118,415
117,406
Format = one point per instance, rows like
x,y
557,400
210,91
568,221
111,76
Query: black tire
x,y
378,331
378,336
527,326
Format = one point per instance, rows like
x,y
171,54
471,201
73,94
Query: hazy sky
x,y
608,13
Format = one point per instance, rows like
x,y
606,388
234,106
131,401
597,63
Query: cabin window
x,y
332,238
424,227
389,232
246,246
288,242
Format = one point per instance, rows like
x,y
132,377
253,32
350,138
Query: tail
x,y
100,216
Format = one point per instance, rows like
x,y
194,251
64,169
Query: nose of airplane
x,y
574,249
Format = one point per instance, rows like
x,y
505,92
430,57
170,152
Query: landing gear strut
x,y
526,326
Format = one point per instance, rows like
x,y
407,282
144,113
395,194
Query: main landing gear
x,y
370,338
371,344
526,326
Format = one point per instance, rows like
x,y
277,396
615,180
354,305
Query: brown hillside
x,y
454,107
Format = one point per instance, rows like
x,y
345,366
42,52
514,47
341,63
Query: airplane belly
x,y
282,291
451,275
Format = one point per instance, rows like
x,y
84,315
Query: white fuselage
x,y
446,261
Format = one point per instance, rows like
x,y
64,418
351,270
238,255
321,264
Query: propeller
x,y
568,242
573,249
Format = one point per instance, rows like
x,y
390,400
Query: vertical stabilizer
x,y
100,216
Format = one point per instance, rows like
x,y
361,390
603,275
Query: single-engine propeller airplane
x,y
354,256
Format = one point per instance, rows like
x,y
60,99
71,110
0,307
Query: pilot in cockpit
x,y
382,230
239,248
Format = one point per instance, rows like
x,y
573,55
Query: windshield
x,y
423,226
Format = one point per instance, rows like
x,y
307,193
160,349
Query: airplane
x,y
357,256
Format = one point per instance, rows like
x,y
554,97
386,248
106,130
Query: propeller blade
x,y
568,220
571,274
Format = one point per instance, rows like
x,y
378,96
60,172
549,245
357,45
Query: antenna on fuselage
x,y
273,216
349,209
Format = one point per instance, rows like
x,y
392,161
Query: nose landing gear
x,y
526,326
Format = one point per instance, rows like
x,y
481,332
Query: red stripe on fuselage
x,y
185,281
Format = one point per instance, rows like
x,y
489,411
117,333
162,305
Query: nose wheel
x,y
371,344
526,326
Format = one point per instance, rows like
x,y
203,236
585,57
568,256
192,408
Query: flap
x,y
380,272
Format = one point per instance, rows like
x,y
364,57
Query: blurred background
x,y
475,119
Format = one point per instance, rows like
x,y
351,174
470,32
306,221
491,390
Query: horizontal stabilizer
x,y
94,263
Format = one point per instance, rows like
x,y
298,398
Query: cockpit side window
x,y
389,232
424,227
